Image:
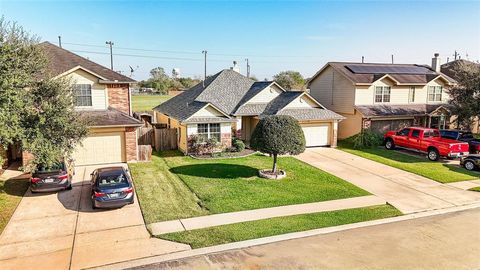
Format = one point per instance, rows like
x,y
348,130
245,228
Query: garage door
x,y
101,148
317,135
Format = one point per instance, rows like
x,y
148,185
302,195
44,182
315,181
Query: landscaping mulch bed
x,y
223,155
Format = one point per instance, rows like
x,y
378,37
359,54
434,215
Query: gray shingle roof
x,y
280,102
109,117
61,60
398,110
311,114
251,109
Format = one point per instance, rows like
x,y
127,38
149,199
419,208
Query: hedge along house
x,y
103,97
229,104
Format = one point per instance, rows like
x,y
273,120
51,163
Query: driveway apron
x,y
62,231
406,191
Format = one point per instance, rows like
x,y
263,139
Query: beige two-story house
x,y
383,97
102,96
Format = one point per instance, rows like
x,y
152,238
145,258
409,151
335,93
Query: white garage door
x,y
101,148
317,135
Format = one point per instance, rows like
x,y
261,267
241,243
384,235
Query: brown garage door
x,y
382,126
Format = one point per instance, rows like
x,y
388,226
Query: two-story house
x,y
103,97
383,97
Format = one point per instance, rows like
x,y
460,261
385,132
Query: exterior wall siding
x,y
333,91
99,91
118,97
350,126
266,95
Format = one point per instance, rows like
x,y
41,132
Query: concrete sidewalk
x,y
264,213
406,191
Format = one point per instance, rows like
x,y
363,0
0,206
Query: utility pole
x,y
205,67
110,43
60,41
248,68
363,59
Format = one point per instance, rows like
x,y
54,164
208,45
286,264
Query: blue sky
x,y
274,35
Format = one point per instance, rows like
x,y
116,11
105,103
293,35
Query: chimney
x,y
436,62
235,67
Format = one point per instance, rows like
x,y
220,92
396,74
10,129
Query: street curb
x,y
278,238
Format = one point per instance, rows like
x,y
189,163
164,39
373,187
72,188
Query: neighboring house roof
x,y
109,117
368,73
450,68
61,61
398,110
229,93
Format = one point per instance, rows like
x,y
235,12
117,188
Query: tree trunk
x,y
274,170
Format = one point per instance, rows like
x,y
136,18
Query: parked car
x,y
470,162
464,136
52,178
426,140
111,187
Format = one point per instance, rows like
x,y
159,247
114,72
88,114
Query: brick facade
x,y
118,97
27,157
226,139
131,144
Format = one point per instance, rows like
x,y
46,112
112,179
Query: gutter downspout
x,y
129,100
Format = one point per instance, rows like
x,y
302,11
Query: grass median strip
x,y
11,193
276,226
440,172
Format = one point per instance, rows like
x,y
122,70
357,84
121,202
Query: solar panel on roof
x,y
387,69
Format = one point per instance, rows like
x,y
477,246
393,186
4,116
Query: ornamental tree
x,y
278,135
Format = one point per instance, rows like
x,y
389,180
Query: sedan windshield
x,y
112,180
56,167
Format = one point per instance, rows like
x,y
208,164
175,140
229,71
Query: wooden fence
x,y
165,139
146,136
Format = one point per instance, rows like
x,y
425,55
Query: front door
x,y
438,122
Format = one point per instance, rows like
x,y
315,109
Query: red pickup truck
x,y
426,140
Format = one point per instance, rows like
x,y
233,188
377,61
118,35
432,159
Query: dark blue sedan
x,y
111,187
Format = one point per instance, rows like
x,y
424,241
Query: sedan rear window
x,y
112,179
54,168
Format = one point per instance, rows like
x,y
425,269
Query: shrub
x,y
200,146
238,144
366,139
278,135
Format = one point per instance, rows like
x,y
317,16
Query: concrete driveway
x,y
62,231
406,191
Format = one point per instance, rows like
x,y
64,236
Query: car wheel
x,y
389,144
433,154
69,187
469,165
93,205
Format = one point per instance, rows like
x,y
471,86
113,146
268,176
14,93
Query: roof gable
x,y
61,61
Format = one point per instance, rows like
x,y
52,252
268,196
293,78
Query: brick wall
x,y
131,144
226,139
27,157
118,97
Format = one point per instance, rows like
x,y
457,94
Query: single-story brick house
x,y
229,104
103,97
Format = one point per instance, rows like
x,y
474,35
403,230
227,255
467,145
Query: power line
x,y
192,52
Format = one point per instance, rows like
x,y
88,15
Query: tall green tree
x,y
278,135
465,96
34,108
290,80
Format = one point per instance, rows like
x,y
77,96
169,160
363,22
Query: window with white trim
x,y
435,93
82,94
411,94
382,94
209,131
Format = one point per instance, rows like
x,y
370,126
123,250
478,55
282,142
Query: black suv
x,y
463,136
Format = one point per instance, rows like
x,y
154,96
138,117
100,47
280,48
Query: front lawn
x,y
275,226
142,103
229,185
475,189
440,172
175,186
11,192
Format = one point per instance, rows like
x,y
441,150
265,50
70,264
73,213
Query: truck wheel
x,y
433,154
469,165
389,144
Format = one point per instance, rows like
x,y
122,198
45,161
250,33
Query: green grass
x,y
11,192
275,226
162,195
229,185
440,172
475,189
147,102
